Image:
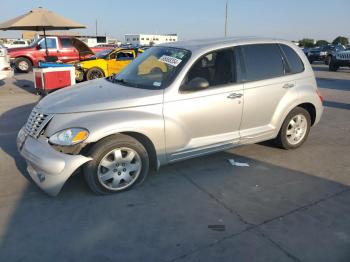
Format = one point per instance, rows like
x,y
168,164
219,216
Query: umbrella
x,y
40,19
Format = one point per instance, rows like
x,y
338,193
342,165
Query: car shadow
x,y
10,123
338,105
26,85
333,84
320,68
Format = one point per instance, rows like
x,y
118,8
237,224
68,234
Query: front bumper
x,y
48,168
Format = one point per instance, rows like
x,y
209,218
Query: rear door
x,y
67,52
266,85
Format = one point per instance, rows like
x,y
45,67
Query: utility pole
x,y
226,18
96,26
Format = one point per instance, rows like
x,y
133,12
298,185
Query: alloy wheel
x,y
297,129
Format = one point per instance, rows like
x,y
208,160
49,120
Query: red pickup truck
x,y
65,48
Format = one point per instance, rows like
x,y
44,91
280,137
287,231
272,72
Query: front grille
x,y
345,56
36,122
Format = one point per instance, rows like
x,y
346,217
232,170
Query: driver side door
x,y
201,121
52,47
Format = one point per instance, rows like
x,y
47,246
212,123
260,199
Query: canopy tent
x,y
40,19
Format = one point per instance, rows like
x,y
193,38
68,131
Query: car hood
x,y
97,95
344,52
82,48
16,49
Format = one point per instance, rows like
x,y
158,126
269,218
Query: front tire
x,y
295,129
79,75
333,67
119,163
94,73
23,65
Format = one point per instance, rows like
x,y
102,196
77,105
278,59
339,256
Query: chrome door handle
x,y
289,85
234,95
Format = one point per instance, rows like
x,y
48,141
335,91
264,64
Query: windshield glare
x,y
155,68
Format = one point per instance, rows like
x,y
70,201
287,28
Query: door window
x,y
215,67
125,55
262,61
66,43
51,43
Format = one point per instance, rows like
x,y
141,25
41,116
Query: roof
x,y
212,43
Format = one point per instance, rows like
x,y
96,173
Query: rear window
x,y
262,61
295,65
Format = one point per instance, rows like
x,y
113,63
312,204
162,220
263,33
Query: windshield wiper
x,y
123,82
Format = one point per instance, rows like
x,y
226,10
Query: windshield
x,y
155,68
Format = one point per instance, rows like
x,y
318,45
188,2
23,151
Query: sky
x,y
191,19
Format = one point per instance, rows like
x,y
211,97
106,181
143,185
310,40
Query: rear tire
x,y
94,73
293,132
119,163
23,65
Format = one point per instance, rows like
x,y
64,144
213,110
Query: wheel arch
x,y
148,144
95,67
26,57
143,139
308,105
311,109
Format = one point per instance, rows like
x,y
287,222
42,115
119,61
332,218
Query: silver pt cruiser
x,y
174,102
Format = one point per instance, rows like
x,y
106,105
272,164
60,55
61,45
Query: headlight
x,y
69,137
78,65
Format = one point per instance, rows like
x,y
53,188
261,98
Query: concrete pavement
x,y
287,206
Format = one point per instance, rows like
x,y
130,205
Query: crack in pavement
x,y
278,246
251,226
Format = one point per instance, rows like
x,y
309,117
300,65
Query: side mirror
x,y
195,84
38,47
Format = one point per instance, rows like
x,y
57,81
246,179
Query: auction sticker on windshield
x,y
170,60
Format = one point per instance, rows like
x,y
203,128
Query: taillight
x,y
320,95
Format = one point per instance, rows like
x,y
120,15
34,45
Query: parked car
x,y
176,101
65,48
320,53
5,68
340,59
333,51
17,43
105,63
